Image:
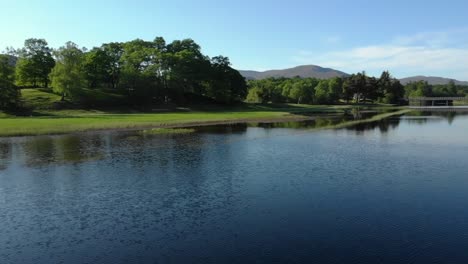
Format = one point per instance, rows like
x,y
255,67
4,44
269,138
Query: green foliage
x,y
357,87
151,72
68,76
226,84
422,88
145,72
322,93
256,95
335,89
9,94
35,63
282,90
329,91
97,67
391,88
418,89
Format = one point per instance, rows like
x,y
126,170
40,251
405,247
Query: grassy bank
x,y
47,121
75,121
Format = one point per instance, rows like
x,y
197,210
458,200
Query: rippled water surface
x,y
393,191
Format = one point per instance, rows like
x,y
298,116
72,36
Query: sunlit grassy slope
x,y
46,120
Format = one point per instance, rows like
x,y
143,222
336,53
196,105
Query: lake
x,y
390,191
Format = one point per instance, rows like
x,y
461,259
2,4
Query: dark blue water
x,y
394,191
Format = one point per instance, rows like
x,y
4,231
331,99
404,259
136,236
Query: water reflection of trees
x,y
189,149
38,151
5,154
320,122
133,148
435,116
336,121
180,181
223,129
384,125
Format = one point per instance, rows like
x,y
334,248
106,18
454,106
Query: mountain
x,y
305,71
431,80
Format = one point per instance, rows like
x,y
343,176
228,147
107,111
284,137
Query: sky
x,y
409,37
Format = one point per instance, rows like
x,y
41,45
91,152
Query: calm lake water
x,y
393,191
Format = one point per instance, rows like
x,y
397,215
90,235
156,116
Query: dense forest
x,y
422,88
145,72
357,88
141,73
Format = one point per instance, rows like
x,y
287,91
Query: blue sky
x,y
405,37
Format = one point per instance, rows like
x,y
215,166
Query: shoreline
x,y
72,122
189,124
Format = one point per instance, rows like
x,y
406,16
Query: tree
x,y
297,93
371,89
35,63
114,53
68,76
355,86
256,95
137,76
322,94
9,94
96,66
189,68
335,89
452,88
348,90
418,89
227,84
391,90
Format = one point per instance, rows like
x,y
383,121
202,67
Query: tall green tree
x,y
226,85
96,66
68,75
391,89
114,52
137,77
418,89
371,89
335,89
9,94
188,68
35,63
322,93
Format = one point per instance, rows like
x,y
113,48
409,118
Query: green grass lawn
x,y
49,121
38,99
84,121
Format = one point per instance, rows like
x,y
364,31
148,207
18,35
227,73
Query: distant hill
x,y
431,80
305,71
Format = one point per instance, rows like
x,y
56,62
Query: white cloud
x,y
422,54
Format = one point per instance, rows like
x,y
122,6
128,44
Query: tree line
x,y
9,94
424,89
146,72
155,72
357,88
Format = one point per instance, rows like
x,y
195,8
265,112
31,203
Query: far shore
x,y
78,121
